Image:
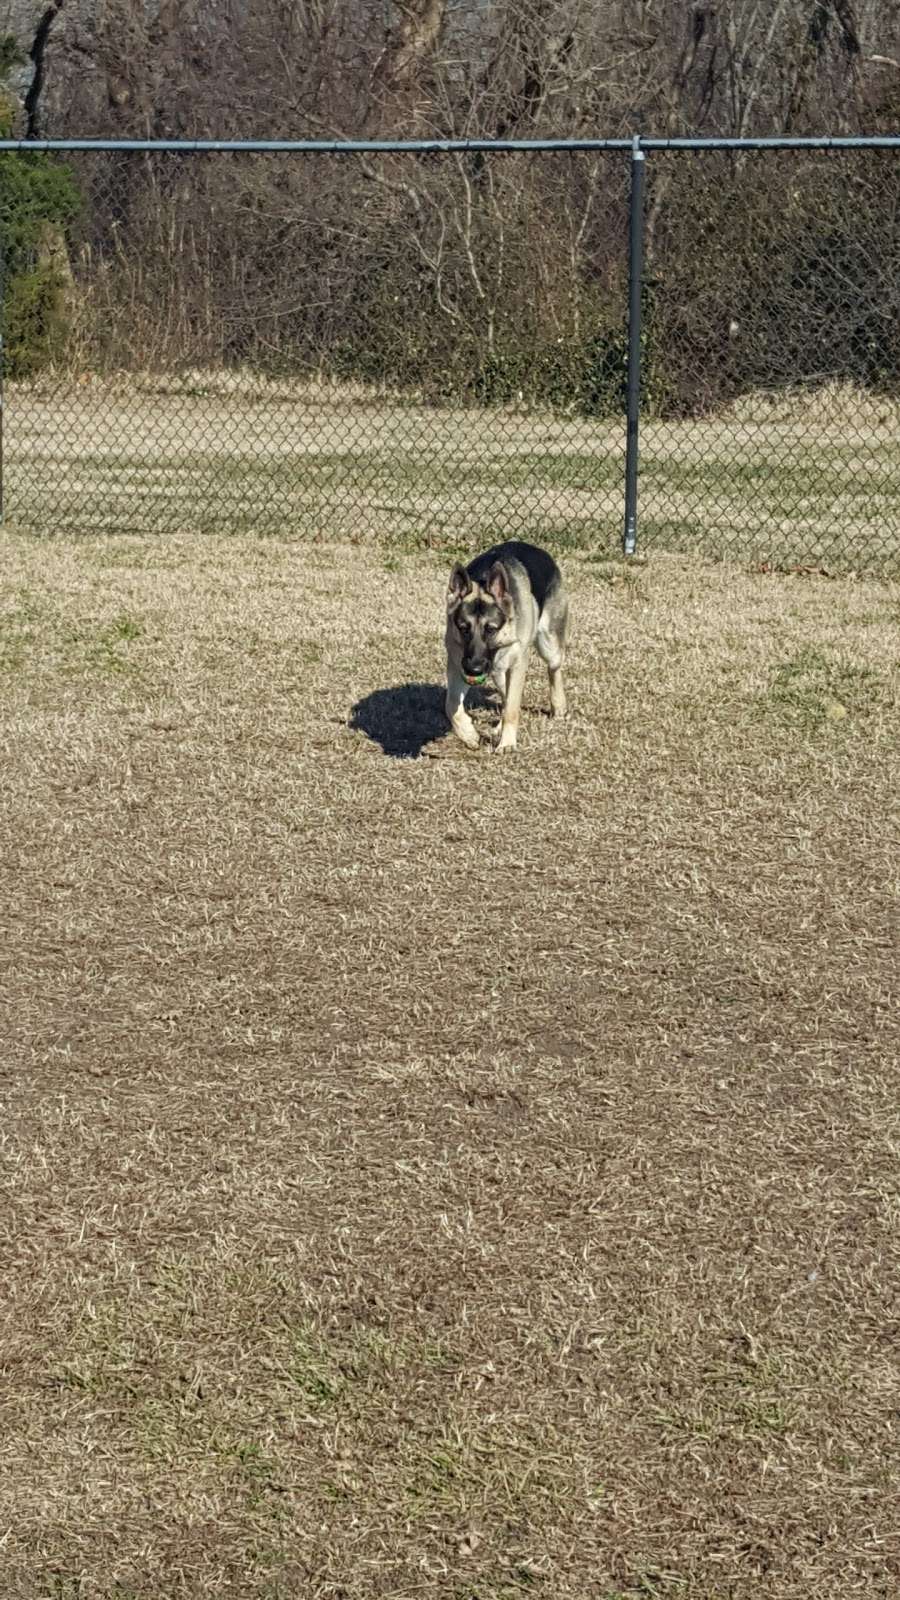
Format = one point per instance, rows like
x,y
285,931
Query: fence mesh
x,y
345,348
430,349
772,357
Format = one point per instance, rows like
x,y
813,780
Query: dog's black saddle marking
x,y
543,574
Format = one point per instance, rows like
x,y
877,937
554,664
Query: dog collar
x,y
480,677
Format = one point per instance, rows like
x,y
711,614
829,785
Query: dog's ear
x,y
460,584
498,583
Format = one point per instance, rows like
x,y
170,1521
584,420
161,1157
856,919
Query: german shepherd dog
x,y
501,604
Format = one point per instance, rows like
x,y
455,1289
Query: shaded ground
x,y
450,1176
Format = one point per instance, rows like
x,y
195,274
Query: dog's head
x,y
479,620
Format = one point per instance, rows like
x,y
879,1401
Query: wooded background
x,y
486,279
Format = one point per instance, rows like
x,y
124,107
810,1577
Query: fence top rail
x,y
445,146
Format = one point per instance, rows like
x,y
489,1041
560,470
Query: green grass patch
x,y
440,472
816,479
811,691
104,647
21,623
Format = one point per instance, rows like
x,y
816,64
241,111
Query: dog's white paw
x,y
469,735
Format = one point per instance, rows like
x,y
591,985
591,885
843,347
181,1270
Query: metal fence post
x,y
635,276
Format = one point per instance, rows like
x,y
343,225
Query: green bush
x,y
34,320
39,200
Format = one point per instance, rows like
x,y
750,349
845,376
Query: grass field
x,y
459,1176
812,480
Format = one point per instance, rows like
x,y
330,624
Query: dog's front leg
x,y
457,715
515,686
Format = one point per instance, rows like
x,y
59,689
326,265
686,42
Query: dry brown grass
x,y
458,1176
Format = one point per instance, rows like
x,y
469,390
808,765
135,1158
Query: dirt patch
x,y
464,1176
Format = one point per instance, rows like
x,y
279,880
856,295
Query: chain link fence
x,y
428,345
772,368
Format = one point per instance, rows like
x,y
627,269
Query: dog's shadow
x,y
402,720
